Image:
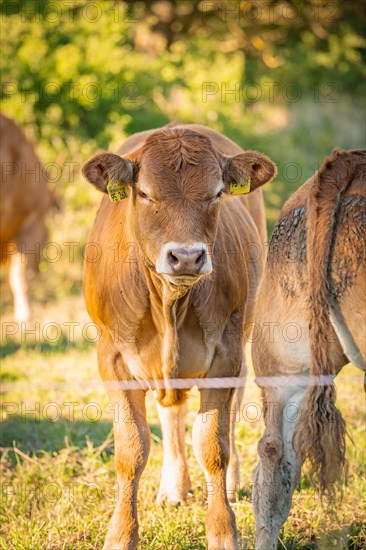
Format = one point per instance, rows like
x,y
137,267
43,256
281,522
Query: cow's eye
x,y
216,197
143,195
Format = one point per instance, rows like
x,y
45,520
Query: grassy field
x,y
58,479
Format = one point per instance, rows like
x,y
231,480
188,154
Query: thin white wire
x,y
221,383
300,380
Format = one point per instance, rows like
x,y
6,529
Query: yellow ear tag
x,y
240,188
116,191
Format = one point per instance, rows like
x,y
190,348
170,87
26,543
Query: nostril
x,y
201,258
173,260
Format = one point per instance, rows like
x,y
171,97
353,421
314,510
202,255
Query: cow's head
x,y
176,183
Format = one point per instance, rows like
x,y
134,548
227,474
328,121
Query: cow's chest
x,y
144,353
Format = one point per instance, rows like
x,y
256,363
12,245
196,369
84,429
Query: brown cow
x,y
311,309
178,306
25,199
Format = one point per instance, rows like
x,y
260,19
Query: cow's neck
x,y
169,306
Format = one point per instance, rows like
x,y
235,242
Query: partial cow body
x,y
315,278
173,291
25,200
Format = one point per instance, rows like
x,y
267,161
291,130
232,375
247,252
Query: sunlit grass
x,y
57,466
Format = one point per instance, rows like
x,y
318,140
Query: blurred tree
x,y
303,40
84,74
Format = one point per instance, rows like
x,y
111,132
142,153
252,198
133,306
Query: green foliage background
x,y
81,75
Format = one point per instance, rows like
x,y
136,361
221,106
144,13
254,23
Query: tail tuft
x,y
321,438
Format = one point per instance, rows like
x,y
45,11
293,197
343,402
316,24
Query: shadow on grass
x,y
245,493
295,543
62,345
354,538
156,431
38,436
357,536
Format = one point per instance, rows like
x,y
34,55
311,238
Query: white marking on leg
x,y
19,286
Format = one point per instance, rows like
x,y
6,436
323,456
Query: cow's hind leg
x,y
175,483
212,449
278,471
233,470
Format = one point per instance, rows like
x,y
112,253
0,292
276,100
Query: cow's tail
x,y
321,432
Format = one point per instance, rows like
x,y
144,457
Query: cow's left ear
x,y
110,173
246,172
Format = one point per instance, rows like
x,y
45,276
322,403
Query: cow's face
x,y
176,184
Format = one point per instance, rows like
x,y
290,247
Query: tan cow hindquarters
x,y
25,200
311,307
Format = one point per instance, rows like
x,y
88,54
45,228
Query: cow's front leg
x,y
132,445
175,483
18,279
212,449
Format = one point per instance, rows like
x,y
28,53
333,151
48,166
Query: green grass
x,y
58,479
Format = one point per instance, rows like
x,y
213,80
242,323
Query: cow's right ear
x,y
108,168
